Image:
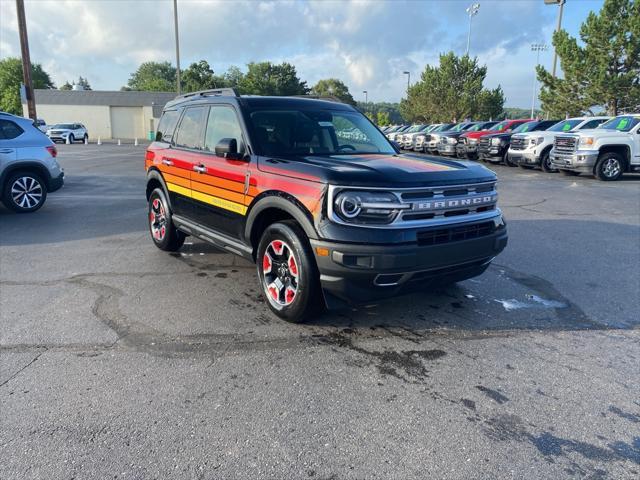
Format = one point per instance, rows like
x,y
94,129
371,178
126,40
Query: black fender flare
x,y
28,166
282,201
154,174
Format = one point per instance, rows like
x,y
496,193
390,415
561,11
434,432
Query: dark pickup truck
x,y
327,215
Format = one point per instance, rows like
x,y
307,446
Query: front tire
x,y
508,162
24,192
288,273
72,139
545,163
610,167
164,234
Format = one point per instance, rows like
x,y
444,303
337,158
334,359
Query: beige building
x,y
105,114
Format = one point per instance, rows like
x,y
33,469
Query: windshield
x,y
444,127
481,126
459,127
499,126
297,131
623,124
564,126
66,126
415,128
525,127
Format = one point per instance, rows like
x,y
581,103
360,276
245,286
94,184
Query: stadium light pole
x,y
366,97
560,3
408,74
536,47
175,22
472,11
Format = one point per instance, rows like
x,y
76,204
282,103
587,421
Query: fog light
x,y
387,280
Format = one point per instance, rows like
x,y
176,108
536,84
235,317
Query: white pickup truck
x,y
532,149
605,152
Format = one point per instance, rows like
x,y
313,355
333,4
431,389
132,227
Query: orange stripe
x,y
219,182
183,182
180,172
217,192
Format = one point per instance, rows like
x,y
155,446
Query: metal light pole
x,y
536,47
558,26
26,60
408,74
472,10
175,21
365,97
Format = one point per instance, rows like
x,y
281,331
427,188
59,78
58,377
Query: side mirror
x,y
228,148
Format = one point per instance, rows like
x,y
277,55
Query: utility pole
x,y
26,60
472,10
408,74
560,3
175,21
536,47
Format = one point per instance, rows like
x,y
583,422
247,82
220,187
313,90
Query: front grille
x,y
518,143
565,144
483,144
455,234
442,202
427,138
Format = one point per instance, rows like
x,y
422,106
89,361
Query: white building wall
x,y
95,117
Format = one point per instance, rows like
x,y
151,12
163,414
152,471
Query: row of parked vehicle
x,y
605,147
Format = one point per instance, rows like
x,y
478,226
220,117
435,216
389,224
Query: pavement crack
x,y
34,360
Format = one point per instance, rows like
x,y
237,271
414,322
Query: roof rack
x,y
320,97
228,92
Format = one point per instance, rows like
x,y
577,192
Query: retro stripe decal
x,y
206,198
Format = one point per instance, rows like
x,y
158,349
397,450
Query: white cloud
x,y
367,43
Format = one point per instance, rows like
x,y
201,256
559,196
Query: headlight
x,y
586,140
473,140
452,140
496,141
536,141
367,207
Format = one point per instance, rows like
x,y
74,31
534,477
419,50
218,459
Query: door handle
x,y
200,168
167,161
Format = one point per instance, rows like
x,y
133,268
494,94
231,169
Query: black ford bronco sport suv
x,y
313,193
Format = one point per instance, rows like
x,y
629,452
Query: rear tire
x,y
610,167
287,272
24,192
164,234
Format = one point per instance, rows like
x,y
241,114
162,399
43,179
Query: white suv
x,y
73,132
532,149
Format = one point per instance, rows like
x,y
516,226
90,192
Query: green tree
x,y
66,86
382,118
491,103
84,82
392,110
451,91
332,87
264,78
153,77
10,80
199,76
604,69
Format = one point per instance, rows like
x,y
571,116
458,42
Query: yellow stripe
x,y
210,199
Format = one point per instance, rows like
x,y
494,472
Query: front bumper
x,y
447,149
494,153
359,273
523,157
581,161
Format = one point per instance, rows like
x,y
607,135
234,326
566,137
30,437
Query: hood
x,y
479,133
377,170
504,135
452,134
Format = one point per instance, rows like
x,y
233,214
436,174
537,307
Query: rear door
x,y
218,184
9,131
179,160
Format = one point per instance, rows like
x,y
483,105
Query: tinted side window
x,y
9,130
222,123
166,126
592,123
189,134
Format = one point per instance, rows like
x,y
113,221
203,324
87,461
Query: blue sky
x,y
366,43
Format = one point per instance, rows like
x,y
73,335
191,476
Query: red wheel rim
x,y
157,220
280,272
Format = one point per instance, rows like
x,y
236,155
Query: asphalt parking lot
x,y
121,361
